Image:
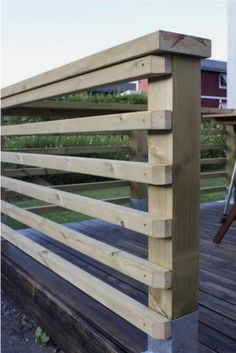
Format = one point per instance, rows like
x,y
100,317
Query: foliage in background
x,y
98,98
215,139
111,98
41,337
99,140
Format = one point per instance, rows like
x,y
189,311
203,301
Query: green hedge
x,y
98,140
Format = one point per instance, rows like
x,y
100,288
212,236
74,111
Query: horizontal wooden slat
x,y
154,43
216,111
219,160
61,108
206,132
215,174
212,146
44,209
52,208
132,171
221,117
92,186
212,189
83,186
19,172
134,312
149,66
136,220
153,120
133,266
74,150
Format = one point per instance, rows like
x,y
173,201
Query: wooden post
x,y
3,191
138,152
179,93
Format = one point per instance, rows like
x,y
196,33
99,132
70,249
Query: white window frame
x,y
225,77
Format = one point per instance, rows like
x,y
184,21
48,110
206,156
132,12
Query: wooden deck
x,y
79,324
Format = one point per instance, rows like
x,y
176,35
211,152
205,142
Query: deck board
x,y
217,297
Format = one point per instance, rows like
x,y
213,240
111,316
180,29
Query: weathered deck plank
x,y
52,299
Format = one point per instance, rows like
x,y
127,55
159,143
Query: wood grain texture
x,y
154,43
181,200
140,221
52,208
134,312
133,266
148,66
74,150
109,168
138,152
154,120
83,186
76,312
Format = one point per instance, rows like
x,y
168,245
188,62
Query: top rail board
x,y
154,43
148,66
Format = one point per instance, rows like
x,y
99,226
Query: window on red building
x,y
222,81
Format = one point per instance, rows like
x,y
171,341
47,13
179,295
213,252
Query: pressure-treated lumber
x,y
73,150
221,117
212,146
19,172
3,191
52,208
154,43
92,186
216,111
148,66
219,160
139,221
215,174
212,189
216,294
134,312
67,109
133,171
84,186
153,120
133,266
179,201
138,152
206,132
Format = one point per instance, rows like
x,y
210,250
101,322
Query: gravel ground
x,y
18,331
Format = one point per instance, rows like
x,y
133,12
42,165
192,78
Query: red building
x,y
213,85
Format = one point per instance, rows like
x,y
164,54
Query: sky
x,y
39,35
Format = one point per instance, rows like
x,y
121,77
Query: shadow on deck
x,y
78,323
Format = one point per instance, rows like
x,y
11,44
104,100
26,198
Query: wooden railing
x,y
212,167
222,143
171,63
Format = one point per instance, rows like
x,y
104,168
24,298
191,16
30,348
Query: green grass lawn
x,y
70,216
213,196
